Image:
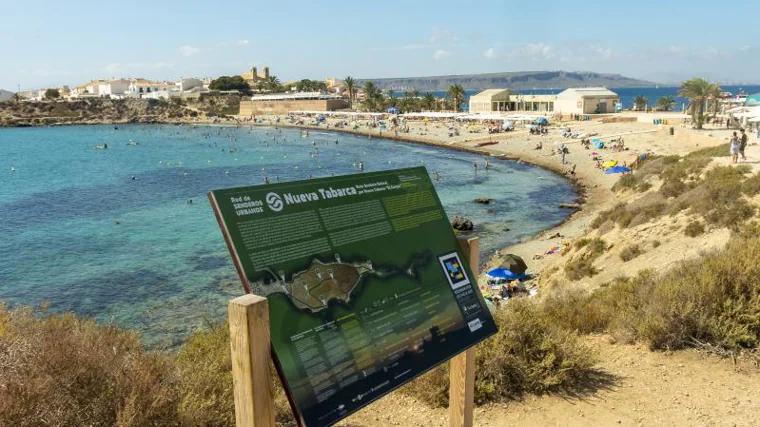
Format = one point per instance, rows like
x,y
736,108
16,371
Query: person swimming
x,y
266,180
437,176
361,166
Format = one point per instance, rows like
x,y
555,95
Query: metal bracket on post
x,y
249,341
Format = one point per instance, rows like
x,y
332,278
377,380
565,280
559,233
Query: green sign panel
x,y
366,283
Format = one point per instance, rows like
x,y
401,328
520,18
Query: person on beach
x,y
734,148
743,144
361,166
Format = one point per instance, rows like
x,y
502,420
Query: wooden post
x,y
462,366
249,341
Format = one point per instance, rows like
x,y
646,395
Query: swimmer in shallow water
x,y
266,180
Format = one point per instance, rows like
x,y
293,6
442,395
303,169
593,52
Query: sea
x,y
627,94
126,235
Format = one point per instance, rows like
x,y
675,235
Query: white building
x,y
586,100
113,88
138,87
5,95
503,100
186,84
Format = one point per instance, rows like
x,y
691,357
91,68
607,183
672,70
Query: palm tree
x,y
666,103
272,83
456,95
351,87
698,91
640,102
429,101
372,96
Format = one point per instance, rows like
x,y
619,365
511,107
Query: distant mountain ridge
x,y
512,80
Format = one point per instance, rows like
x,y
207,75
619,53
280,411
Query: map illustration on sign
x,y
366,284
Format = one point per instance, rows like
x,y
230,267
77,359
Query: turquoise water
x,y
110,233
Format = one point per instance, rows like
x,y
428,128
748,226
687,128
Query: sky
x,y
44,44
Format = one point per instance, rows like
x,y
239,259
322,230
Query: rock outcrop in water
x,y
462,224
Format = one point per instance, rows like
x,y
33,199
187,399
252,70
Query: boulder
x,y
462,224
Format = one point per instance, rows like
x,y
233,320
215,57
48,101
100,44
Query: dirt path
x,y
648,389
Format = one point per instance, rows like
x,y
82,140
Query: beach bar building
x,y
586,100
504,100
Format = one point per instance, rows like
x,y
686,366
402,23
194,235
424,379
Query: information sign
x,y
366,284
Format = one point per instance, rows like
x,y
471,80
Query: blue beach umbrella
x,y
503,273
542,121
321,118
394,110
617,169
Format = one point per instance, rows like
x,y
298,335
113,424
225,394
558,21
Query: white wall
x,y
186,84
5,95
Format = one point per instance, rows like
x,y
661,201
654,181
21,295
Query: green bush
x,y
529,354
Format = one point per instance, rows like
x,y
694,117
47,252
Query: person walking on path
x,y
743,144
734,148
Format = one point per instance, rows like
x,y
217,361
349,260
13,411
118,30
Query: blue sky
x,y
70,42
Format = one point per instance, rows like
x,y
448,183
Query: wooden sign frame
x,y
251,355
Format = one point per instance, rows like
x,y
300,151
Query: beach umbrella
x,y
617,169
393,110
321,118
542,121
508,125
503,273
514,264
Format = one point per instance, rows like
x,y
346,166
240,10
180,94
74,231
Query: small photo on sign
x,y
454,270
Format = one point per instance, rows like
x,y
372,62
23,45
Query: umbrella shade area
x,y
617,169
514,264
503,273
394,110
542,121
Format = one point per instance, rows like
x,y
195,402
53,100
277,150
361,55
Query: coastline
x,y
463,143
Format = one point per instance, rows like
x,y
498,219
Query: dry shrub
x,y
751,186
580,268
630,252
65,371
528,355
694,229
722,201
205,370
715,300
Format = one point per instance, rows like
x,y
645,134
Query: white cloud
x,y
242,42
188,50
490,53
538,51
442,35
440,54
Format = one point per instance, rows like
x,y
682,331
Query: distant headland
x,y
513,80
